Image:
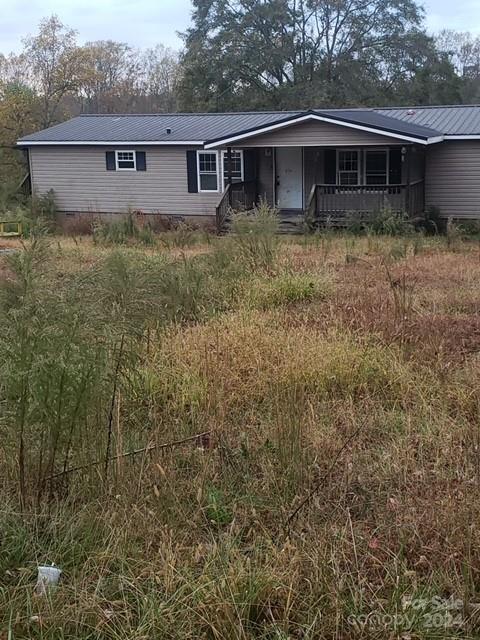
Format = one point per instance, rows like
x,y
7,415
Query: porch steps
x,y
291,221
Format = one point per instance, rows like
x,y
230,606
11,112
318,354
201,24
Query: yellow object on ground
x,y
10,228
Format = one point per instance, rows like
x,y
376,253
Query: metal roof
x,y
417,122
153,128
384,122
455,120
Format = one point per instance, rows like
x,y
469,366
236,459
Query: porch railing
x,y
337,200
416,198
238,196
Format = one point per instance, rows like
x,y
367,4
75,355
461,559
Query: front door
x,y
289,187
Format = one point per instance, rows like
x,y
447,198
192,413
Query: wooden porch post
x,y
229,176
407,160
229,161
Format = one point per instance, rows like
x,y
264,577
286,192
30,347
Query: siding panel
x,y
316,134
81,182
452,179
313,162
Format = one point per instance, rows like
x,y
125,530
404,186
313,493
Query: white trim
x,y
134,155
466,137
274,177
112,143
303,177
30,171
200,190
281,125
435,140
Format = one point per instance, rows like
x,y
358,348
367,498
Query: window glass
x,y
236,167
125,159
348,177
376,166
348,167
207,171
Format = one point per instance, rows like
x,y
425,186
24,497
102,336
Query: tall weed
x,y
255,236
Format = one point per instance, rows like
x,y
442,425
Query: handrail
x,y
356,187
25,179
245,199
311,195
222,208
311,210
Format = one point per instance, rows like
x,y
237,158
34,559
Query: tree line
x,y
240,55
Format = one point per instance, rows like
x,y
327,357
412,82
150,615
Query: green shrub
x,y
44,206
286,289
354,223
122,231
38,215
469,227
10,197
383,222
432,223
387,222
181,237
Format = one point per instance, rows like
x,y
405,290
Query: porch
x,y
328,184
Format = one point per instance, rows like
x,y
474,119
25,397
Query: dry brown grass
x,y
191,542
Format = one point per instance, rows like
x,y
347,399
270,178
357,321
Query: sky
x,y
144,23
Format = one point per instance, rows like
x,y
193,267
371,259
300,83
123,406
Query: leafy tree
x,y
18,115
302,53
56,64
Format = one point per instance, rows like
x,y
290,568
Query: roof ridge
x,y
184,113
276,112
427,106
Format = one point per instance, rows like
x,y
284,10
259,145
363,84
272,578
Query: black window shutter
x,y
395,169
110,160
141,161
330,166
192,171
249,165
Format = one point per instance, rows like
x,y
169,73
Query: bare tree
x,y
463,49
111,82
160,78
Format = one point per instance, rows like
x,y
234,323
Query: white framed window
x,y
348,167
207,171
236,166
125,161
376,166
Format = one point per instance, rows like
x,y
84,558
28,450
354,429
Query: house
x,y
326,162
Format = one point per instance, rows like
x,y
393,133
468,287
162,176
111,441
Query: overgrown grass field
x,y
301,418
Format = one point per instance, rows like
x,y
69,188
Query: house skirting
x,y
82,222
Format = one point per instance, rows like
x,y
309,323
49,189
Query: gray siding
x,y
81,182
313,165
316,133
416,170
452,178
